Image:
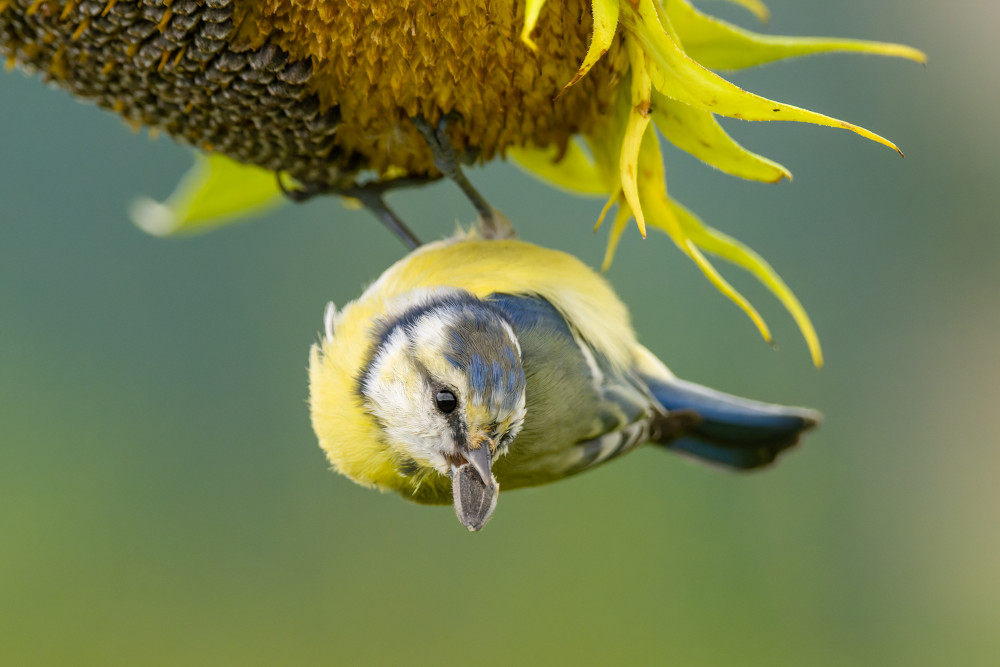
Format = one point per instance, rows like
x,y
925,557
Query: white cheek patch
x,y
399,397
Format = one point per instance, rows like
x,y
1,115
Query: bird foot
x,y
492,225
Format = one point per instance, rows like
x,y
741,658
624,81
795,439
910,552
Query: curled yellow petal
x,y
216,191
683,97
532,8
629,167
697,132
605,13
755,7
656,202
662,216
607,207
715,242
716,44
679,77
635,128
617,228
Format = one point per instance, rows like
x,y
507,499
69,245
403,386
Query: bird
x,y
475,365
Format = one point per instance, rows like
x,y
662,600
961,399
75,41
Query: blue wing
x,y
729,430
581,411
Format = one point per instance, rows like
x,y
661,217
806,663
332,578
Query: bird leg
x,y
372,197
491,225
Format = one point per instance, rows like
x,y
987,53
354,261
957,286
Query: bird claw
x,y
491,226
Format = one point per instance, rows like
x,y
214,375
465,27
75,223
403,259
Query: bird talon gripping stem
x,y
446,160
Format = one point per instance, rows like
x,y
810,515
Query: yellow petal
x,y
635,128
717,44
617,228
662,216
698,133
605,13
574,171
656,202
630,152
216,191
679,77
755,7
607,207
532,8
731,250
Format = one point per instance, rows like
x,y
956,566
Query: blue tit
x,y
475,365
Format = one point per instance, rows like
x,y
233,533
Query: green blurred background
x,y
163,500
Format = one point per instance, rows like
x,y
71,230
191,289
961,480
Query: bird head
x,y
446,385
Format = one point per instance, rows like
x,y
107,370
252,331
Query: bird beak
x,y
474,487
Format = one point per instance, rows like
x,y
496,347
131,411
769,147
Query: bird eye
x,y
445,401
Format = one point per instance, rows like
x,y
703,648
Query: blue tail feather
x,y
731,431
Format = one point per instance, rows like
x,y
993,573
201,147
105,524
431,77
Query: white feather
x,y
330,320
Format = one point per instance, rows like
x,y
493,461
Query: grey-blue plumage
x,y
731,431
575,395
